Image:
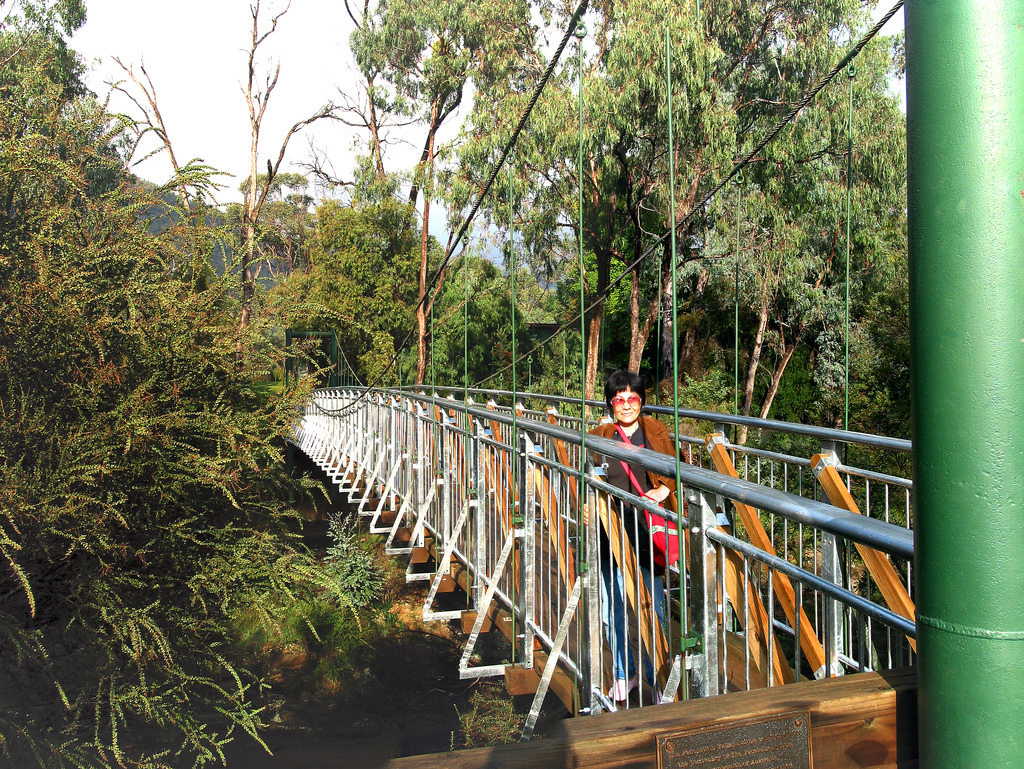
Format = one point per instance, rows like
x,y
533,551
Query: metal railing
x,y
781,578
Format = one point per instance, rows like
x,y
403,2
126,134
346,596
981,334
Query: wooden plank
x,y
809,642
735,671
520,680
563,456
857,721
505,472
447,584
419,555
468,619
403,536
557,535
878,563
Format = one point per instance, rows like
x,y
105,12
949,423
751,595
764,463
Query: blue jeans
x,y
613,614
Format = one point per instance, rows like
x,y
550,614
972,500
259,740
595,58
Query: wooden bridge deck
x,y
857,721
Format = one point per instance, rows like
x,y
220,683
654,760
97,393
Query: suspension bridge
x,y
824,613
789,577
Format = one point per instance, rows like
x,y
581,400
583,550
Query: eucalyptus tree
x,y
792,245
420,61
737,68
284,227
257,97
196,180
625,147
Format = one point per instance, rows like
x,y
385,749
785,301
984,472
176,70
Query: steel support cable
x,y
514,511
675,321
570,30
852,72
788,118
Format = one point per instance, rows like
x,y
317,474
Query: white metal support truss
x,y
417,524
484,671
442,568
553,657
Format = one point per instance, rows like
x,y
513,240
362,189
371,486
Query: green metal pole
x,y
512,298
515,515
465,327
965,152
581,32
851,71
433,384
675,308
657,344
564,391
465,368
738,181
287,358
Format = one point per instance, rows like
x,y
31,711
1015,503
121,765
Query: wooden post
x,y
809,642
878,564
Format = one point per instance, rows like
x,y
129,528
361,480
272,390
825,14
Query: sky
x,y
195,53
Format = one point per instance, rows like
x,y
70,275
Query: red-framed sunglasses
x,y
625,400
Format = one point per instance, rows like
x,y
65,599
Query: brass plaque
x,y
782,741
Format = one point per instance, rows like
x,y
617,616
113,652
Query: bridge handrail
x,y
456,472
848,597
877,534
757,423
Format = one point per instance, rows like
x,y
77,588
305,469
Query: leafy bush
x,y
492,718
142,493
327,615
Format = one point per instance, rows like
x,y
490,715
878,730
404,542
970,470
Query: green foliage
x,y
361,281
141,487
329,612
354,569
792,223
35,32
485,325
283,231
491,720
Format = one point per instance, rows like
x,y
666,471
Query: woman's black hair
x,y
623,380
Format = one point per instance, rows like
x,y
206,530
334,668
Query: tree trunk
x,y
666,328
421,311
690,353
639,334
773,388
376,153
636,343
594,348
755,360
427,167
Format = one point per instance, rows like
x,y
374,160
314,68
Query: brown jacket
x,y
658,440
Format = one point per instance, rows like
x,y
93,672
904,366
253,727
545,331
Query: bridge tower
x,y
965,125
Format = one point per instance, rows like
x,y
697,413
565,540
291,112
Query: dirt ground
x,y
405,701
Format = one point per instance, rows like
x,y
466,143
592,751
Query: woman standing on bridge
x,y
626,396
